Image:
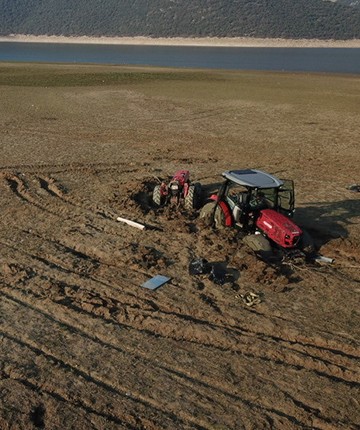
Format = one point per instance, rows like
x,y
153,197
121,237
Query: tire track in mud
x,y
93,262
81,400
130,394
49,185
33,386
14,185
203,388
183,375
325,358
337,362
21,188
146,317
338,273
77,274
101,218
59,204
65,167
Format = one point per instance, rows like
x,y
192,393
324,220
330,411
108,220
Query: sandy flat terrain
x,y
83,346
181,41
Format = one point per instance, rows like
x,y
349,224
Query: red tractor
x,y
261,205
178,191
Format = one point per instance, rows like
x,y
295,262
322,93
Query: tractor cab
x,y
249,191
260,205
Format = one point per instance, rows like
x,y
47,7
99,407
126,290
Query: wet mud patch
x,y
143,194
135,195
213,244
175,217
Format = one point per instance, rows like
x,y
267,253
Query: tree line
x,y
183,18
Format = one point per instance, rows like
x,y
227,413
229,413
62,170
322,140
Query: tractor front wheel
x,y
213,216
259,244
306,243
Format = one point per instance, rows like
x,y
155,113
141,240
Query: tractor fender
x,y
229,221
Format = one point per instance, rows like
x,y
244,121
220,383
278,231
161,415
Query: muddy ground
x,y
83,345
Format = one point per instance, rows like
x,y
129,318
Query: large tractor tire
x,y
193,197
216,219
306,243
158,199
257,242
260,245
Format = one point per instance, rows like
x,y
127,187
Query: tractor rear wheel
x,y
193,197
213,216
158,199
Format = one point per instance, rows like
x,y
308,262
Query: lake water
x,y
327,60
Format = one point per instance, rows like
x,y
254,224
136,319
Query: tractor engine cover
x,y
182,177
279,228
179,184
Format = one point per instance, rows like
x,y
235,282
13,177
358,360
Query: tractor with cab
x,y
261,206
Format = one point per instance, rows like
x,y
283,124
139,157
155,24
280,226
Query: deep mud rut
x,y
84,346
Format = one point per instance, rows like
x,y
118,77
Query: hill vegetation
x,y
170,18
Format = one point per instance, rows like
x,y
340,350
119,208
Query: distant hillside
x,y
296,19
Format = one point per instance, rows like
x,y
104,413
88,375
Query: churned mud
x,y
83,346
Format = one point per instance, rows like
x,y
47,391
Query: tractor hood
x,y
252,178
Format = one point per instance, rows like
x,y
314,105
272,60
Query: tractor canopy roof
x,y
253,178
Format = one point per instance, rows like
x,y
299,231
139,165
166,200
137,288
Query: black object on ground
x,y
218,272
354,187
199,266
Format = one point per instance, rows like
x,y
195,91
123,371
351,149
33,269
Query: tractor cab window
x,y
287,197
237,195
258,200
268,196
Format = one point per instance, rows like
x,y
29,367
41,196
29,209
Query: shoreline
x,y
191,41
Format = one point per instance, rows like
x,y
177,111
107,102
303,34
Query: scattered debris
x,y
132,223
354,187
218,272
155,282
199,266
251,299
322,259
